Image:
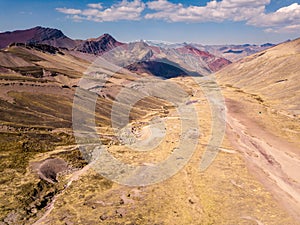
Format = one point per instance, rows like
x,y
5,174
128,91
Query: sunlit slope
x,y
36,96
274,75
262,94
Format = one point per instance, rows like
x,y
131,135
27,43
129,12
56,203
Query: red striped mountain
x,y
214,63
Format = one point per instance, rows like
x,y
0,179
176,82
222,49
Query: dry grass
x,y
39,127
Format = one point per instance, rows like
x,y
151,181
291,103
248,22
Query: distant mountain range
x,y
231,52
234,52
211,58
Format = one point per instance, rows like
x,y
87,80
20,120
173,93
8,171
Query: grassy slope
x,y
272,74
35,121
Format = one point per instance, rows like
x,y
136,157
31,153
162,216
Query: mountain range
x,y
230,52
88,49
105,42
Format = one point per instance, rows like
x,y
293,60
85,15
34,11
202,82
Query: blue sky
x,y
205,22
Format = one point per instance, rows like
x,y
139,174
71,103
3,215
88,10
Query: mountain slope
x,y
262,94
214,63
98,45
160,61
273,74
158,69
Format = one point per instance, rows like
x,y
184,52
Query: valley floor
x,y
253,180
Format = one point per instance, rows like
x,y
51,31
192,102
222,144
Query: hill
x,y
263,112
272,74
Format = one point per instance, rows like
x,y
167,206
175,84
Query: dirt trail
x,y
275,161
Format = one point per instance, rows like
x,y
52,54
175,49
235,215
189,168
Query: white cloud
x,y
124,10
90,12
76,18
95,5
163,5
235,10
69,11
286,19
252,12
